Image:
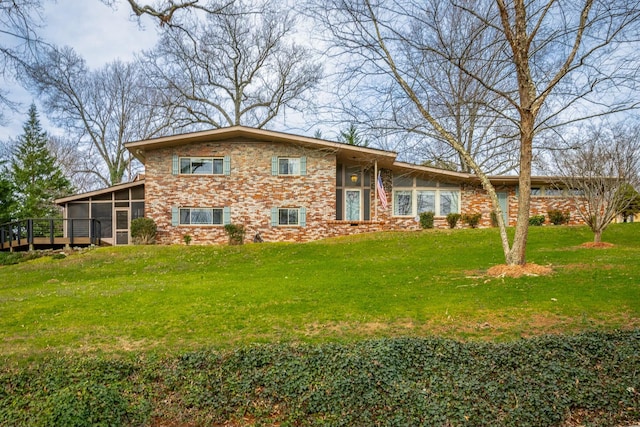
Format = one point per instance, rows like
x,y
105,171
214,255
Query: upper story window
x,y
201,165
288,166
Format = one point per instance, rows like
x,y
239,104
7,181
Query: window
x,y
449,202
412,196
288,165
288,217
553,191
402,203
426,201
201,216
201,166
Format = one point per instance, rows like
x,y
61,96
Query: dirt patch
x,y
597,245
516,271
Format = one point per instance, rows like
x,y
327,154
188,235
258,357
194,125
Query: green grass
x,y
179,298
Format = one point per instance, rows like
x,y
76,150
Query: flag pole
x,y
375,189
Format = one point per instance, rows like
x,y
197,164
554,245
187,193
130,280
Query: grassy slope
x,y
179,298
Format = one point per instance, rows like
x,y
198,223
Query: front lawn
x,y
385,329
180,298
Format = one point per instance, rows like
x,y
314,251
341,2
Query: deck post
x,y
68,245
30,234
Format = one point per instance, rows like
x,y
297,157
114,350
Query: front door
x,y
122,226
352,205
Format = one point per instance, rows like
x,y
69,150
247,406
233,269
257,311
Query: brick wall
x,y
475,199
250,191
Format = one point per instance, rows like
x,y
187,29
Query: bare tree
x,y
555,58
598,171
241,67
74,162
101,109
164,11
19,20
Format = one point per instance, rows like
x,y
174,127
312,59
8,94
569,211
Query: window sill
x,y
360,222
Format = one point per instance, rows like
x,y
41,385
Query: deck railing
x,y
49,231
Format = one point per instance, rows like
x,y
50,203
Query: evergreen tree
x,y
7,202
37,177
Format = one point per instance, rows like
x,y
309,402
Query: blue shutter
x,y
303,217
227,165
274,165
175,216
274,217
226,215
174,166
303,165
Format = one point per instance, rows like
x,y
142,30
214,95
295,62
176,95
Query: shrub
x,y
236,233
187,239
143,231
472,220
452,219
557,217
536,220
426,219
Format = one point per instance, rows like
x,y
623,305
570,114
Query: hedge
x,y
588,379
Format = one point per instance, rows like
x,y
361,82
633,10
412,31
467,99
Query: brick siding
x,y
251,191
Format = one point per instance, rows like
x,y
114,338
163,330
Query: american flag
x,y
381,193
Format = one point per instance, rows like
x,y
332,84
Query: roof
x,y
342,150
99,192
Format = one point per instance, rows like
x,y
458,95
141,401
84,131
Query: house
x,y
288,188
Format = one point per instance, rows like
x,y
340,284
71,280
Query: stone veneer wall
x,y
250,191
475,199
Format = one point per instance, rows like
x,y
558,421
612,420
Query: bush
x,y
143,231
390,381
536,220
472,220
236,233
426,219
452,219
557,217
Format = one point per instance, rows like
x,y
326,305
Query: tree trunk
x,y
597,236
517,255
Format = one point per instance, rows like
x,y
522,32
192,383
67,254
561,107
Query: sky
x,y
98,33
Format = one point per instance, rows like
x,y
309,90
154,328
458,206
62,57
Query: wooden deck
x,y
49,233
46,243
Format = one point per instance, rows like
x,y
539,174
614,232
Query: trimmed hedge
x,y
592,378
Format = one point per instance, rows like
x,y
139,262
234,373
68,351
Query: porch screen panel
x,y
137,210
103,212
78,211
